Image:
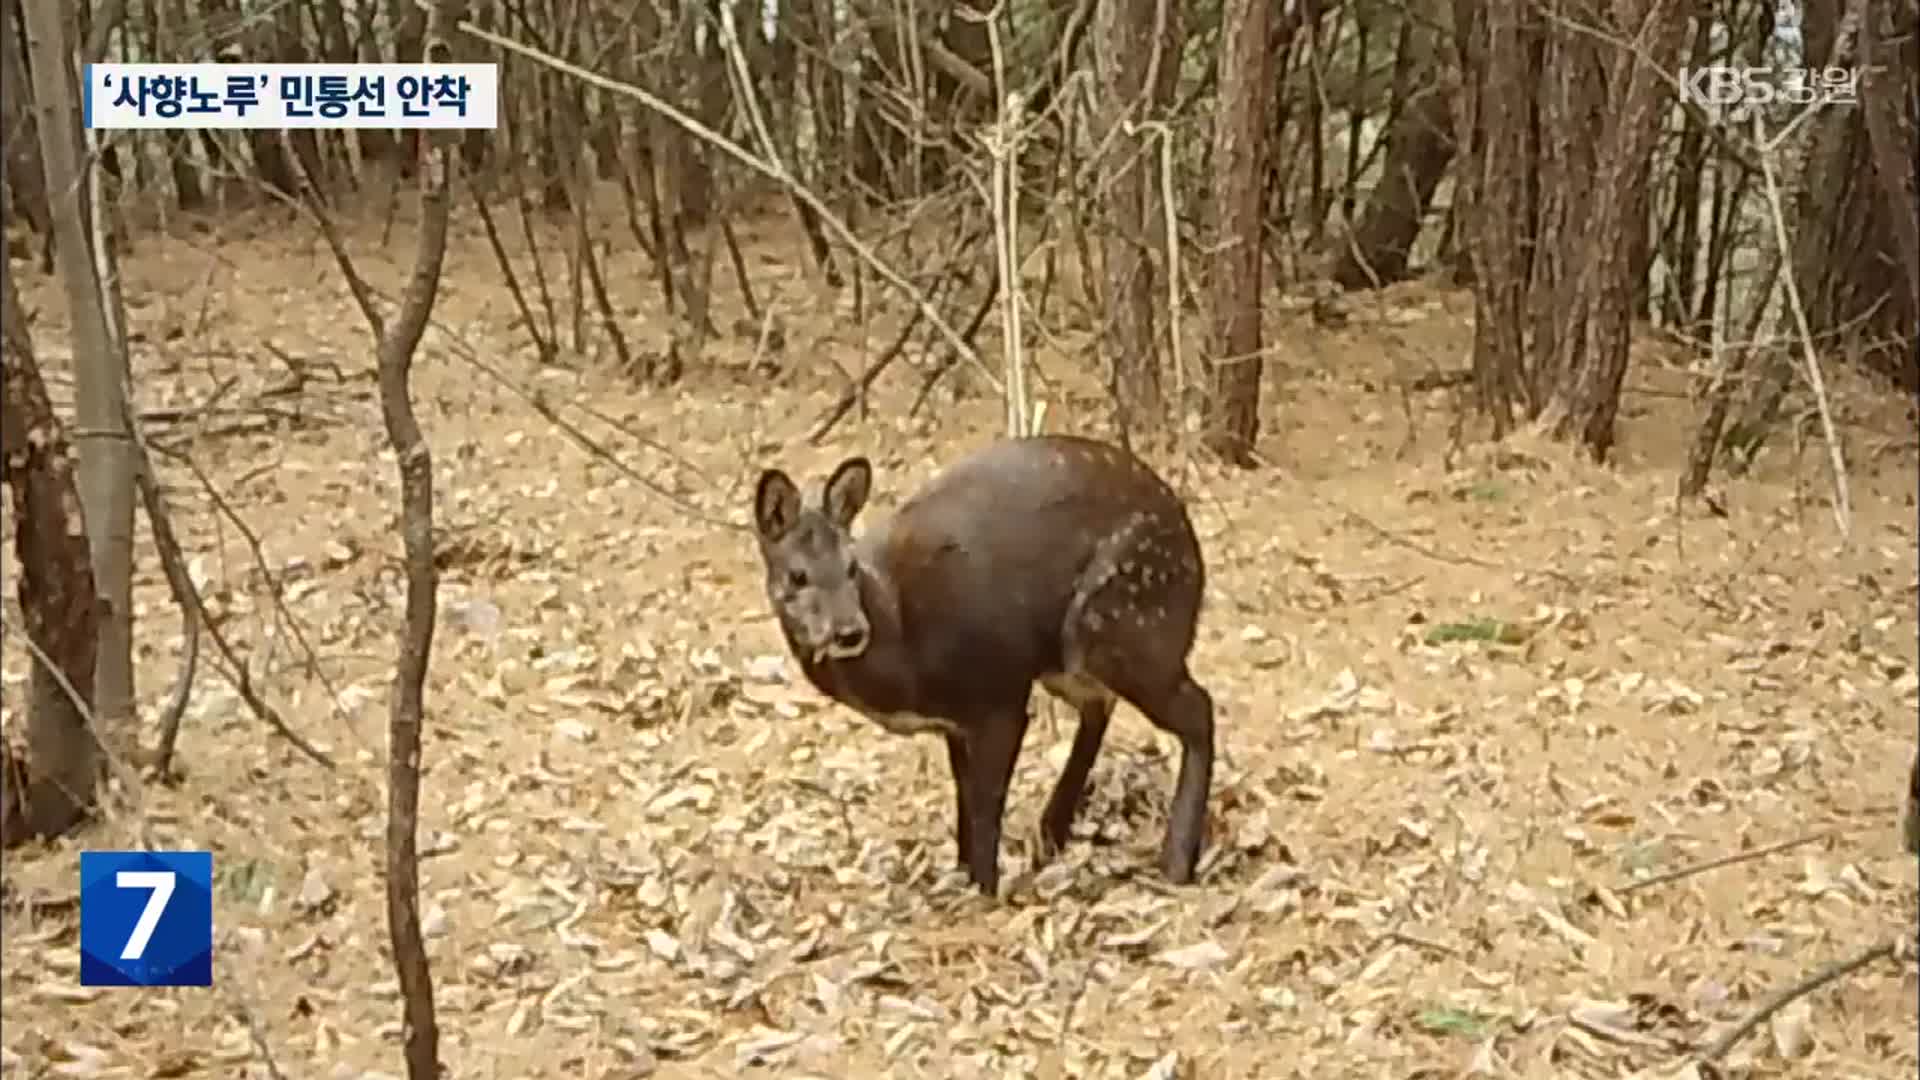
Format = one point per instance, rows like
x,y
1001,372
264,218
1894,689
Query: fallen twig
x,y
1715,864
1718,1048
258,1036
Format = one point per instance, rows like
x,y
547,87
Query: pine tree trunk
x,y
1139,62
1239,167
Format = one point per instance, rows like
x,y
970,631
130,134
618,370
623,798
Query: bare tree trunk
x,y
261,39
1889,101
1239,167
26,180
165,37
1591,357
1570,124
398,344
780,80
399,340
704,87
50,788
100,385
1681,242
1844,260
955,100
1495,121
1138,51
1419,149
813,21
375,145
1313,131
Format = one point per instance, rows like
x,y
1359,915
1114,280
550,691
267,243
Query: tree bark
x,y
1847,260
1138,52
1571,121
399,341
1495,121
1590,358
1239,167
48,785
1681,242
1889,101
26,181
100,386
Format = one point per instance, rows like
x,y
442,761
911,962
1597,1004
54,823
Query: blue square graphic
x,y
146,918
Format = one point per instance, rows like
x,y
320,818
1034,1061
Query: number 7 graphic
x,y
146,918
161,882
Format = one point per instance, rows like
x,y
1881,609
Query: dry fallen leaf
x,y
1791,1027
1195,957
1167,1067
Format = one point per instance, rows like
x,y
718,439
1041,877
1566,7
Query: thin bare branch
x,y
772,171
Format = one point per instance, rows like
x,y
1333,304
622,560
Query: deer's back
x,y
987,557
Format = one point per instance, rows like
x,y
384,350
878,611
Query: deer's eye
x,y
796,579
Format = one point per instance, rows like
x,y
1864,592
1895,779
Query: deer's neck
x,y
887,646
879,682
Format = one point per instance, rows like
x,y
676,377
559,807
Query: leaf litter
x,y
1450,746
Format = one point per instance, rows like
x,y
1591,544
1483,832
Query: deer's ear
x,y
776,505
847,491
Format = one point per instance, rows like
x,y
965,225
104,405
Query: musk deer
x,y
1049,559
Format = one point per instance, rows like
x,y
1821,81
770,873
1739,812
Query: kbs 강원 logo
x,y
146,918
1726,87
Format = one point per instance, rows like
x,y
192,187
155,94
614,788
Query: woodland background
x,y
1551,441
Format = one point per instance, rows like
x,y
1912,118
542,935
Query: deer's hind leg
x,y
1128,630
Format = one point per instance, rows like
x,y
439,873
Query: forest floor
x,y
1469,698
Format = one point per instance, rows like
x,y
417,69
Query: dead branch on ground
x,y
256,1034
1718,1048
240,676
1715,864
465,351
